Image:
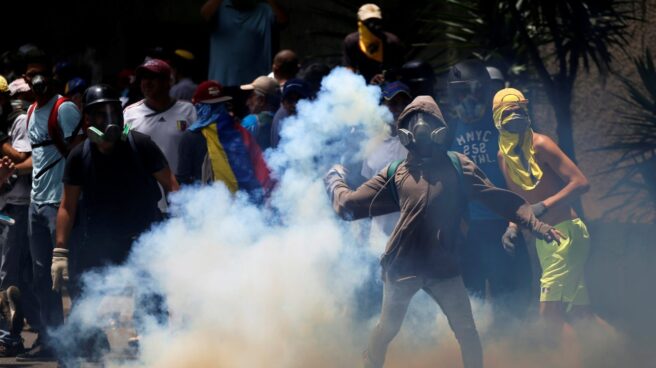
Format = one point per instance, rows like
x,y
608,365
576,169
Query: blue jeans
x,y
16,262
41,230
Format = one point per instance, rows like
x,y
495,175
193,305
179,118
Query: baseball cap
x,y
262,84
4,88
154,66
367,11
296,86
209,92
18,86
508,95
394,88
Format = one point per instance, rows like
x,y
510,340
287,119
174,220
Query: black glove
x,y
539,209
509,237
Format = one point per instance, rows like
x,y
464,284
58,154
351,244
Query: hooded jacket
x,y
432,205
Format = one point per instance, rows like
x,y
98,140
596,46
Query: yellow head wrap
x,y
517,149
370,44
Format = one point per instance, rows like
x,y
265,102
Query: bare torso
x,y
550,184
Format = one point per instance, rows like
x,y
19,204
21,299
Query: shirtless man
x,y
535,168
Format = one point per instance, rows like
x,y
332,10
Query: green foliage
x,y
635,135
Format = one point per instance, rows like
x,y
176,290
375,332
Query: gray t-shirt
x,y
20,193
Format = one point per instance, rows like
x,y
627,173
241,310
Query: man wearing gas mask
x,y
117,171
372,52
535,167
486,267
52,128
430,188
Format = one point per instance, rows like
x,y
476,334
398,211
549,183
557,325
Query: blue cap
x,y
392,89
298,86
75,85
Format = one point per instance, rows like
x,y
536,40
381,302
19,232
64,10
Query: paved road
x,y
117,336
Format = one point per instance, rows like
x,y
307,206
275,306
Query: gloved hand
x,y
509,237
334,176
539,209
59,268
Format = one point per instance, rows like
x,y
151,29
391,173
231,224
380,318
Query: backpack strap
x,y
54,130
391,170
30,110
456,164
455,161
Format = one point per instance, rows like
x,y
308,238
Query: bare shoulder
x,y
544,145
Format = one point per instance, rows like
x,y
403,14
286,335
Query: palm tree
x,y
635,139
552,40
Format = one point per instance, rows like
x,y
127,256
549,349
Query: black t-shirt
x,y
119,192
353,57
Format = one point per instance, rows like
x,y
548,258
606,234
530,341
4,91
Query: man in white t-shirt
x,y
158,115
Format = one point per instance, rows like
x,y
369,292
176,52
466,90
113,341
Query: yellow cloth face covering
x,y
370,44
519,157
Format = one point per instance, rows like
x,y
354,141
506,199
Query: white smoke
x,y
249,286
268,287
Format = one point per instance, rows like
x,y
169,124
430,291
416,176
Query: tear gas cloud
x,y
275,286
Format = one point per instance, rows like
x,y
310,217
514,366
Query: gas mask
x,y
106,124
422,137
39,85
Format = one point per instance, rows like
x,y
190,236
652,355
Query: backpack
x,y
455,161
54,132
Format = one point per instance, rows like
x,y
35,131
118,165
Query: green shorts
x,y
563,264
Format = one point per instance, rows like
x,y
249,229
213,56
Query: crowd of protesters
x,y
81,158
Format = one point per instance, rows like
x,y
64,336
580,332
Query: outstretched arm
x,y
373,198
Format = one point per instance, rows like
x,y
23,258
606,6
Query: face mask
x,y
422,137
106,124
516,122
39,85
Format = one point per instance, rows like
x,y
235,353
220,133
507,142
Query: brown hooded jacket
x,y
432,204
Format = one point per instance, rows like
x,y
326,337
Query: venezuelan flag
x,y
236,158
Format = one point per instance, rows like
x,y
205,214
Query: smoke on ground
x,y
278,286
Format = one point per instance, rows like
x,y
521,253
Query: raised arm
x,y
280,13
208,10
373,198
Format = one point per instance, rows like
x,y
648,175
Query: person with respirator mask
x,y
488,271
371,52
536,168
53,124
430,188
16,265
116,172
